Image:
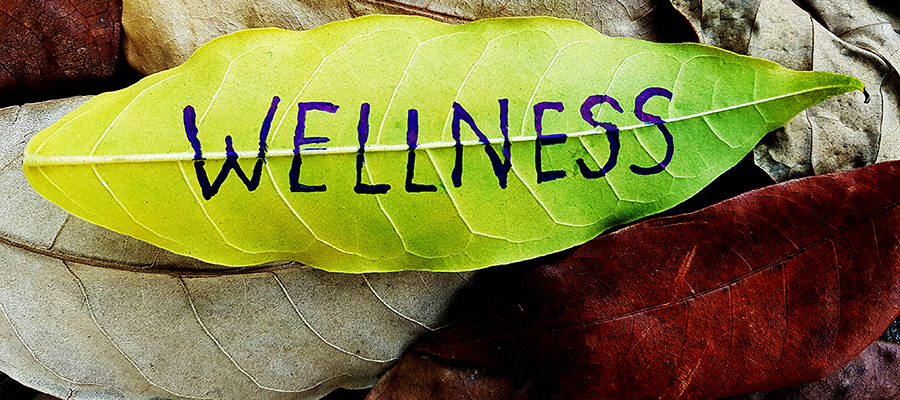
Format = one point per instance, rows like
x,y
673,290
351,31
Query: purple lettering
x,y
639,102
412,139
362,131
207,189
267,124
300,133
546,140
501,168
301,139
190,128
612,135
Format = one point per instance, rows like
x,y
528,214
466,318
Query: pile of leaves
x,y
763,292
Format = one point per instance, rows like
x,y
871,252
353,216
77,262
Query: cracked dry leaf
x,y
828,35
161,34
872,375
88,313
52,46
797,279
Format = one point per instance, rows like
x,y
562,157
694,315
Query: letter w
x,y
231,157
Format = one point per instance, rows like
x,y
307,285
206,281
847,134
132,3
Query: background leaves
x,y
797,279
160,36
872,375
825,35
56,46
646,14
91,313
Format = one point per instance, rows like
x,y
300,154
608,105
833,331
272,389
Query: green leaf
x,y
129,160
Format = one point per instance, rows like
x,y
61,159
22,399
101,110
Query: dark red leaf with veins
x,y
776,287
56,46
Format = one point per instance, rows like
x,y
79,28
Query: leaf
x,y
134,161
419,377
872,375
55,46
89,313
824,35
773,288
162,34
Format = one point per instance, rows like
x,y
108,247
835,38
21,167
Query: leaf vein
x,y
311,76
190,299
87,301
222,83
537,86
125,209
466,79
40,160
206,214
33,354
116,119
402,78
315,332
394,310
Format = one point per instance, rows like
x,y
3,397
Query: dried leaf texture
x,y
773,288
418,377
827,35
91,314
163,34
873,375
54,44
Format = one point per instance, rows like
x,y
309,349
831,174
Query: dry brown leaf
x,y
50,45
776,287
418,377
843,36
873,375
160,34
88,313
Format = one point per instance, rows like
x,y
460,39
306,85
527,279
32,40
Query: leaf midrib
x,y
38,160
144,268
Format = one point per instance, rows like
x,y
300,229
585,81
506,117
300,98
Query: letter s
x,y
639,102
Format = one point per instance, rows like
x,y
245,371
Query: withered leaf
x,y
773,288
56,45
844,36
86,313
421,378
160,34
873,375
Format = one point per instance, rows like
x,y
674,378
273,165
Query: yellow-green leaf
x,y
361,145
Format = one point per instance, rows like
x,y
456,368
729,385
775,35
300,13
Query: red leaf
x,y
50,44
774,288
421,378
873,375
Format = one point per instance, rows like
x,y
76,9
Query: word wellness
x,y
500,167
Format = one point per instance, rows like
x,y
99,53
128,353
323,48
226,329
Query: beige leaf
x,y
86,313
843,36
160,34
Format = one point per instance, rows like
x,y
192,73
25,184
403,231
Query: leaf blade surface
x,y
645,126
773,288
89,310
